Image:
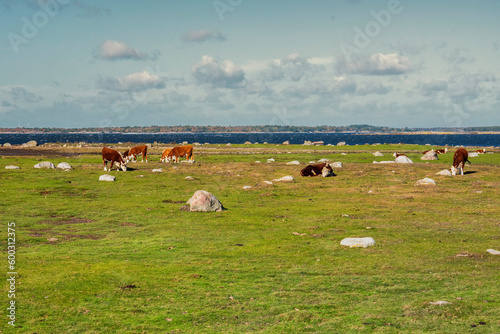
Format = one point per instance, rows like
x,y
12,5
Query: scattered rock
x,y
45,164
341,143
204,201
268,183
190,178
287,142
323,160
157,170
445,172
248,143
403,159
295,162
439,302
247,187
384,162
270,160
229,144
358,242
257,162
378,154
52,239
288,178
307,142
425,182
64,165
12,167
493,252
430,155
7,145
106,177
318,143
337,164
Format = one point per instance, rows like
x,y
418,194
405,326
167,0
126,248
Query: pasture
x,y
121,257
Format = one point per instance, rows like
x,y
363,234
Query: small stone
x,y
189,178
425,182
270,160
12,167
378,154
157,170
288,178
45,164
106,177
358,242
52,239
445,172
295,162
493,252
337,164
247,187
64,165
439,302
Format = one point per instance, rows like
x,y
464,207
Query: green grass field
x,y
128,260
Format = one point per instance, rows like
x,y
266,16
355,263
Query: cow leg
x,y
104,161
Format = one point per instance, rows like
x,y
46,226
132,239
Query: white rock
x,y
7,145
189,178
493,252
247,187
337,164
257,162
323,160
288,178
106,177
425,182
445,172
268,182
229,144
403,159
31,143
270,160
295,162
312,162
341,143
45,164
343,153
64,165
378,154
384,162
287,142
430,155
12,167
358,242
439,302
157,170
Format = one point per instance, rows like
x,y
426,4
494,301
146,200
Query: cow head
x,y
327,171
455,170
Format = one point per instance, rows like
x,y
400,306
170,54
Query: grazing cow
x,y
181,151
442,150
131,154
323,169
395,155
481,151
113,156
164,154
460,157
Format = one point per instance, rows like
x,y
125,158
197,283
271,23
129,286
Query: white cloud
x,y
114,50
376,64
139,81
217,73
200,36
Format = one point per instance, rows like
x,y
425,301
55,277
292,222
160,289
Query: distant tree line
x,y
359,128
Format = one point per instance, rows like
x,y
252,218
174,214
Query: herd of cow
x,y
460,157
121,160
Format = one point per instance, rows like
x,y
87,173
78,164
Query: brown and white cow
x,y
165,153
442,150
181,151
113,156
460,157
322,169
131,155
481,151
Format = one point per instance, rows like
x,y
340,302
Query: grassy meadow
x,y
121,257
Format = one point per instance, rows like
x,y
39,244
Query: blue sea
x,y
271,138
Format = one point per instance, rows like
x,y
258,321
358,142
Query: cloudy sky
x,y
79,63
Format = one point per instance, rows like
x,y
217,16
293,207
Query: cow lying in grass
x,y
481,151
113,156
181,151
322,169
459,159
131,154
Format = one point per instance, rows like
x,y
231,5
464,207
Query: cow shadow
x,y
470,172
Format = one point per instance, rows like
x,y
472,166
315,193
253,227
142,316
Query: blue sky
x,y
78,63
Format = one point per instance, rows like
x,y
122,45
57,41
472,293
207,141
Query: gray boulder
x,y
336,164
425,182
378,154
204,201
445,172
288,178
64,165
7,145
12,167
45,164
31,143
403,159
430,155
